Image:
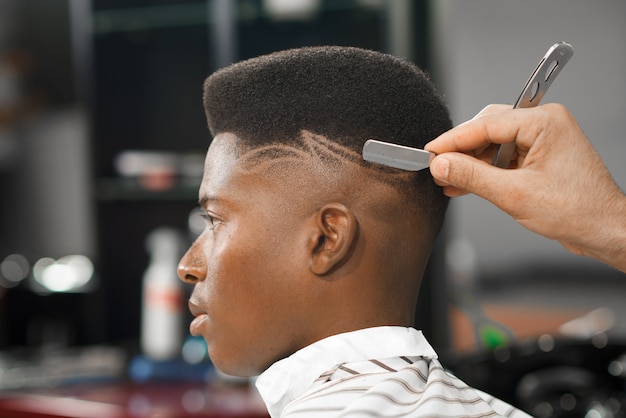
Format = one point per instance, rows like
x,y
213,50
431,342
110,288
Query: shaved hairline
x,y
314,150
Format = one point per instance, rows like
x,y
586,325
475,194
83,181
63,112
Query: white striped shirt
x,y
374,372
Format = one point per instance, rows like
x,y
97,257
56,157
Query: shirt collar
x,y
291,377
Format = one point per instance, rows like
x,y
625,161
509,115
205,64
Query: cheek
x,y
251,266
245,274
232,267
250,294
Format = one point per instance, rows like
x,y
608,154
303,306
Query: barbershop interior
x,y
102,144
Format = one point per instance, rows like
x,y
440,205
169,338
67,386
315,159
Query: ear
x,y
333,237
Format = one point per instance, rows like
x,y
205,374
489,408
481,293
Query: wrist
x,y
606,240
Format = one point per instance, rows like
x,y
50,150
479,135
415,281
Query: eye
x,y
210,220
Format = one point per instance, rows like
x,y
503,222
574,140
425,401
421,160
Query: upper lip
x,y
195,309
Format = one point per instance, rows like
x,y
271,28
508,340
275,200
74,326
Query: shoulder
x,y
422,388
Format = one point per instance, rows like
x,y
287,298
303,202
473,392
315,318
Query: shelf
x,y
131,190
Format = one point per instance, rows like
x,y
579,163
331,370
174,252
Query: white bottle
x,y
162,308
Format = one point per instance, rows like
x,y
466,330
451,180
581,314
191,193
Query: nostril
x,y
190,278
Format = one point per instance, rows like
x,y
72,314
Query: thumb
x,y
470,175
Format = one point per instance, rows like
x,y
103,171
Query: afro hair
x,y
346,94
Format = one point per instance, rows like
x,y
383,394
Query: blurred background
x,y
102,139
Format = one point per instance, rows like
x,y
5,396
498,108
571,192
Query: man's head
x,y
305,238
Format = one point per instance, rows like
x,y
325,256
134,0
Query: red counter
x,y
132,400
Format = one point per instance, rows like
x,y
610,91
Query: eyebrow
x,y
207,198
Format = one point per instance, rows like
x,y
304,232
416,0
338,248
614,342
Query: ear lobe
x,y
335,232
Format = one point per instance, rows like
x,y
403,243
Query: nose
x,y
192,267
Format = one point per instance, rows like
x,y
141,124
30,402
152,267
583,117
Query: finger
x,y
494,128
449,190
487,110
469,175
492,109
452,191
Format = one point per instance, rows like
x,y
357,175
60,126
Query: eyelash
x,y
210,220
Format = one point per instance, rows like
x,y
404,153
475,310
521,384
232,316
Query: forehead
x,y
220,160
233,173
222,172
237,184
231,164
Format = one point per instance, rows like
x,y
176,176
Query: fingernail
x,y
440,168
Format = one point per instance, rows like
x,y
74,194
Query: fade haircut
x,y
347,95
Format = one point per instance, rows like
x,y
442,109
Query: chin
x,y
235,369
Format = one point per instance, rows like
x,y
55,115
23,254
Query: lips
x,y
200,317
195,309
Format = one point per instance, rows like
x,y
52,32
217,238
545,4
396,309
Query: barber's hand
x,y
556,185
